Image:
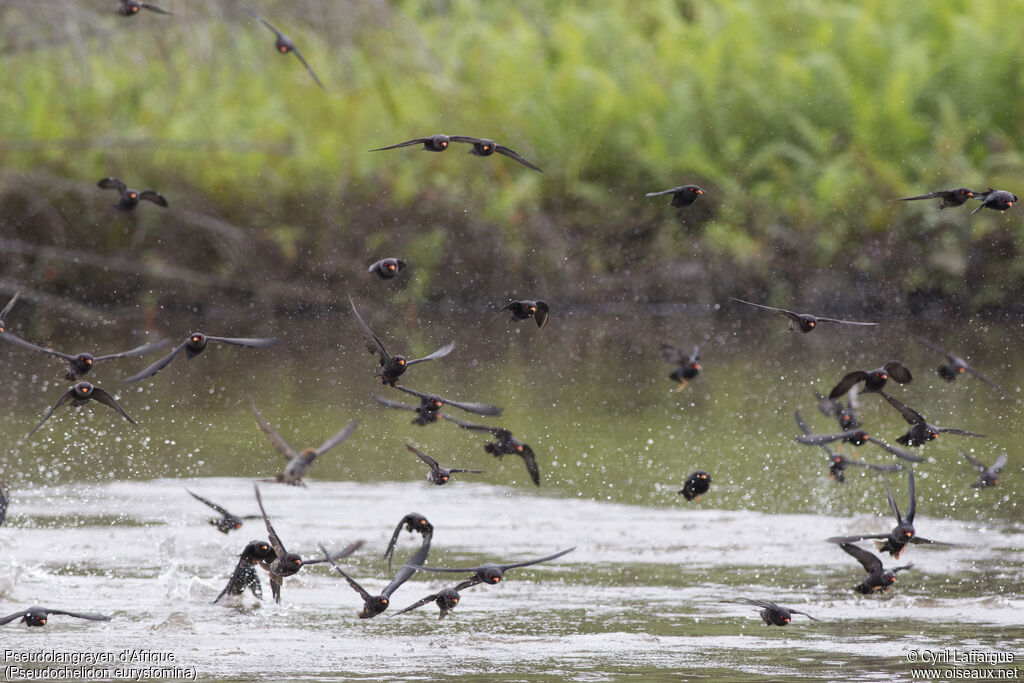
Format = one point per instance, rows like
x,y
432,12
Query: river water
x,y
99,519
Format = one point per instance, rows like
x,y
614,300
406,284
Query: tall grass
x,y
801,119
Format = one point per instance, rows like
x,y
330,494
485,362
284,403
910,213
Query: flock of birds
x,y
278,562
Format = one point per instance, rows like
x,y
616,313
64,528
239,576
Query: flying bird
x,y
375,604
505,444
129,8
391,367
903,534
488,573
38,616
772,614
446,599
879,579
414,523
997,200
987,476
956,366
387,268
684,195
696,484
800,322
689,364
226,522
834,408
80,394
921,431
483,147
838,463
874,380
6,310
245,576
80,364
430,406
524,310
194,345
298,462
857,437
4,497
284,44
958,196
131,198
431,143
439,475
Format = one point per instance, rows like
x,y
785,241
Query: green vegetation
x,y
801,120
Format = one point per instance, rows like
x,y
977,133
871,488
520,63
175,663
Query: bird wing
x,y
867,559
407,143
790,315
898,372
137,351
541,314
841,322
154,8
819,439
79,615
796,611
673,354
984,379
440,353
506,567
895,450
302,59
338,438
352,582
11,617
10,305
251,343
894,467
456,470
433,464
390,551
848,381
763,604
419,603
512,154
274,540
909,414
478,408
406,571
978,465
801,424
663,192
392,404
343,553
917,540
209,503
159,365
153,196
466,139
61,401
892,501
929,343
470,425
32,347
854,539
954,430
282,446
912,506
530,459
930,195
113,184
370,340
263,21
999,464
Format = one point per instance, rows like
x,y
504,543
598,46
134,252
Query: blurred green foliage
x,y
801,119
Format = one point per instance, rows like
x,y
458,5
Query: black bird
x,y
284,563
689,367
956,366
800,322
391,367
7,309
425,414
131,198
284,44
37,616
129,8
80,394
387,268
438,475
921,431
446,599
80,364
838,463
987,476
524,310
684,195
772,614
432,143
433,403
958,196
874,381
505,445
482,147
879,579
998,200
696,484
3,502
227,521
194,345
375,604
245,576
489,573
903,534
414,523
857,437
297,463
846,415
